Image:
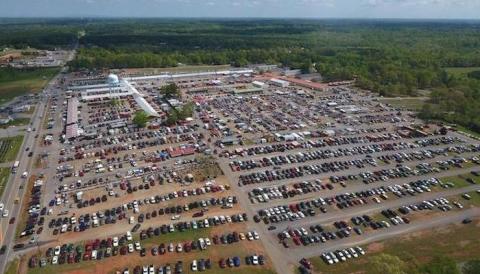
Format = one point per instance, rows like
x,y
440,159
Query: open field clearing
x,y
9,148
23,82
458,242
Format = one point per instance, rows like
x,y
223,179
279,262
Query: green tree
x,y
471,267
115,102
140,119
441,265
172,117
186,111
387,264
170,91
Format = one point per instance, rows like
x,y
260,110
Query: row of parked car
x,y
190,225
270,175
35,212
110,216
306,208
264,195
196,265
303,170
223,202
300,157
98,249
323,142
136,134
342,255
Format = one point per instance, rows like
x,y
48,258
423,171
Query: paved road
x,y
16,185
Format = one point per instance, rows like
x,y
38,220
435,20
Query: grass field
x,y
407,103
460,71
4,174
460,180
175,237
474,201
9,148
23,81
12,267
459,242
16,122
466,130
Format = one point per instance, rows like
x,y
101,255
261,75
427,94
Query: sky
x,y
410,9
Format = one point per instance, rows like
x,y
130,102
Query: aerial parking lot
x,y
231,171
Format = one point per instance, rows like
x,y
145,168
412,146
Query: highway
x,y
16,185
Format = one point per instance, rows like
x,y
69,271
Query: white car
x,y
115,241
130,248
129,236
360,250
56,251
55,260
194,265
137,246
2,206
5,213
255,260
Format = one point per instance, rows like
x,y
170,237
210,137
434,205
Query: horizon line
x,y
242,18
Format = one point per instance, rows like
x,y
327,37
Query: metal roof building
x,y
72,111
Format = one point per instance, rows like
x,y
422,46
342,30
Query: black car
x,y
3,249
467,221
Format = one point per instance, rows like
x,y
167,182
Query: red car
x,y
71,258
306,263
222,263
296,240
12,220
123,250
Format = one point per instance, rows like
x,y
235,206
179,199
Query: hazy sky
x,y
461,9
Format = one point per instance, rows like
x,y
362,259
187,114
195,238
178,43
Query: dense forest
x,y
391,57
